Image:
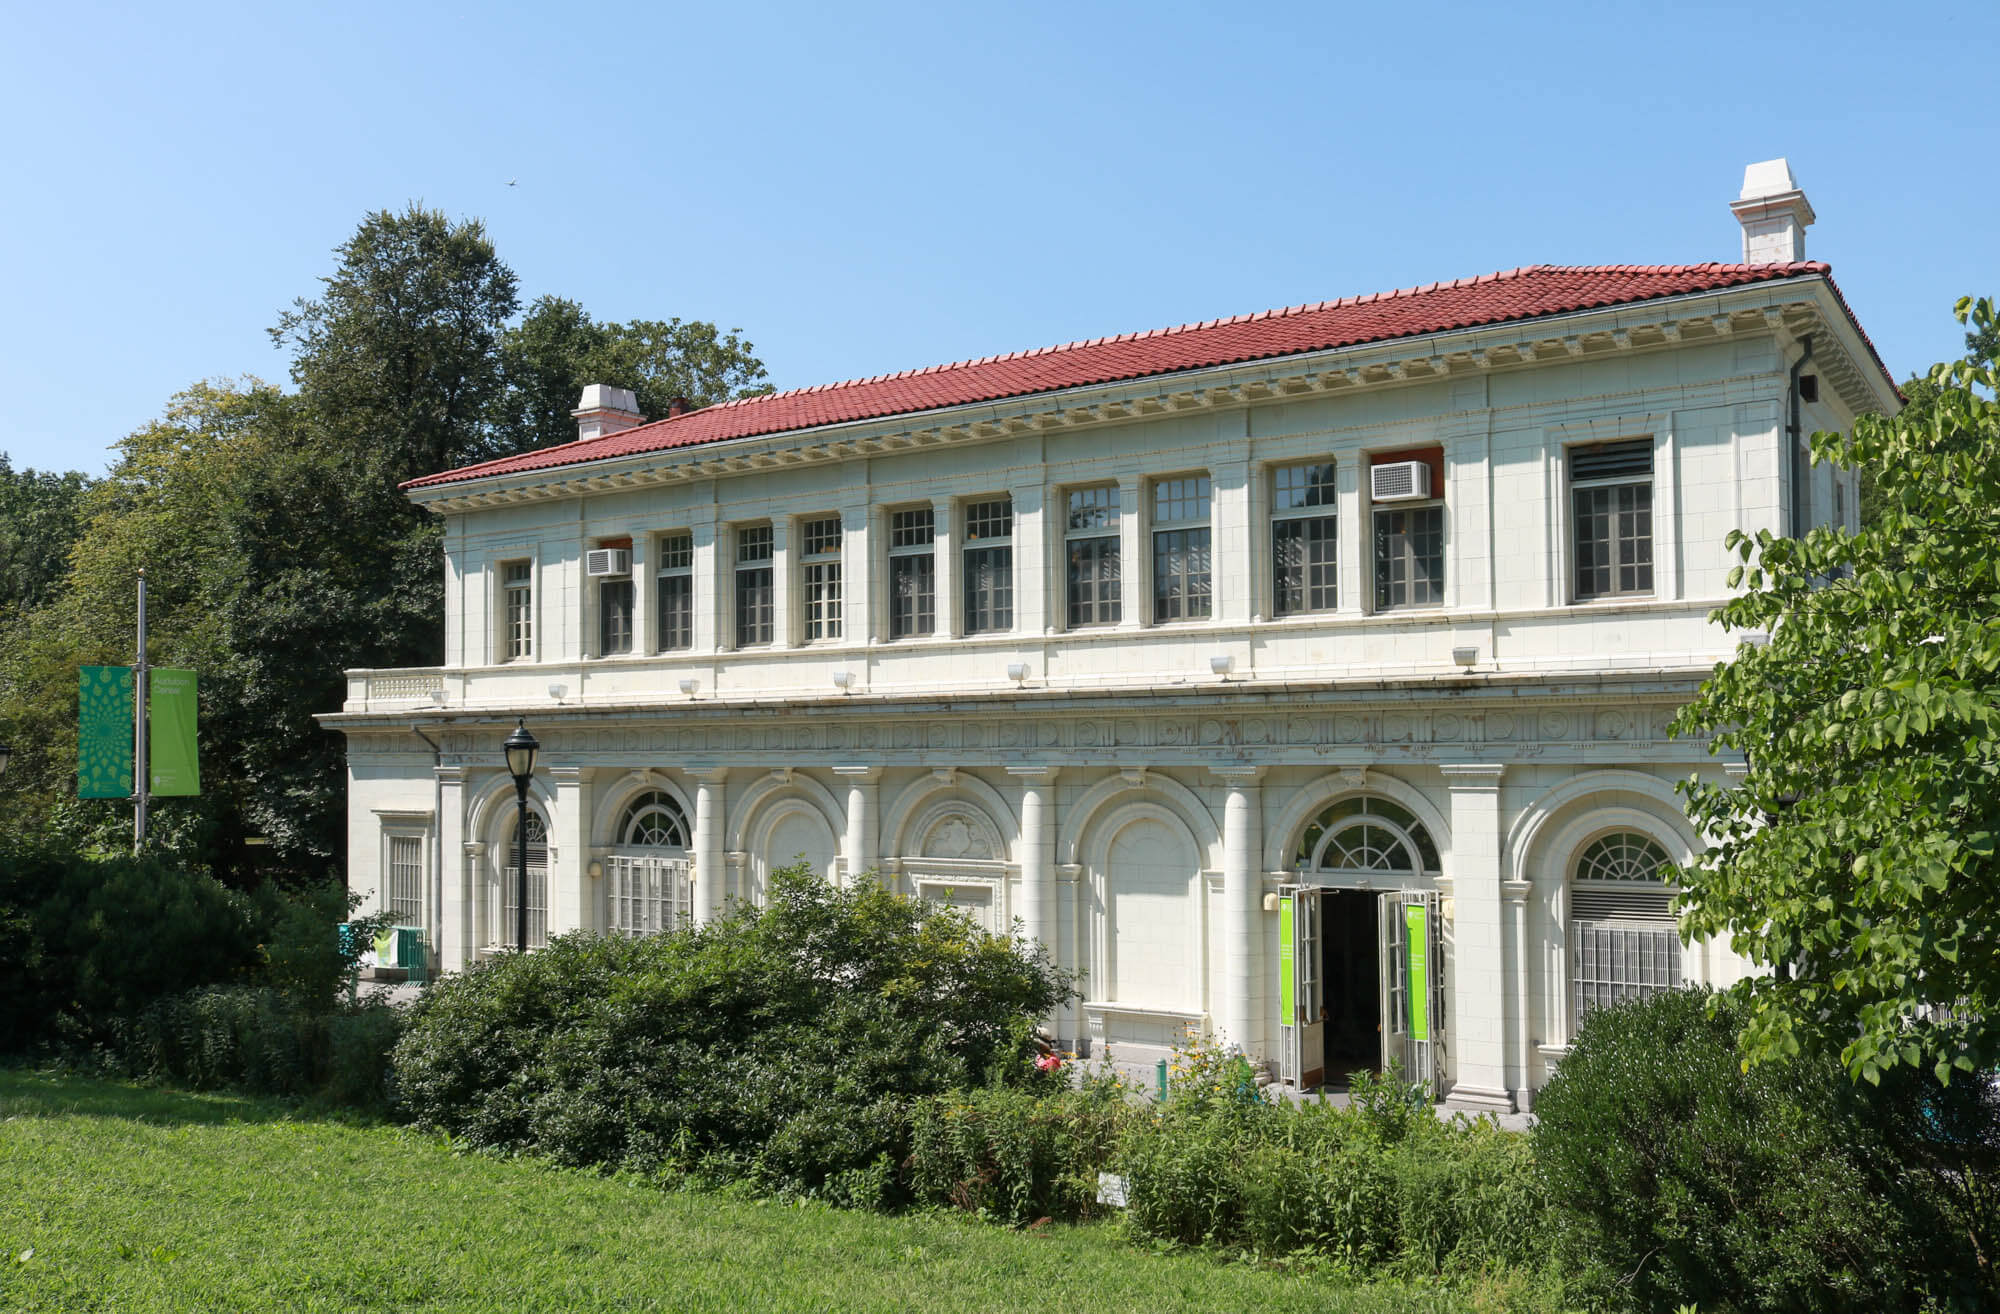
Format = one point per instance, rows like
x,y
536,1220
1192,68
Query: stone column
x,y
861,854
448,936
784,632
1478,1011
572,894
472,876
1037,853
711,586
709,875
1232,542
945,562
857,573
1242,909
1514,896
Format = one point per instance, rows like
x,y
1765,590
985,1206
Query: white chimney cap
x,y
1768,178
604,397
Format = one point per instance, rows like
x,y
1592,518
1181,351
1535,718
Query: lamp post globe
x,y
520,749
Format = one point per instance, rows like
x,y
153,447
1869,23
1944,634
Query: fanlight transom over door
x,y
649,881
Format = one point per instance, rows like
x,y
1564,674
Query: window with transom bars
x,y
988,562
675,584
1182,581
1611,507
538,884
1090,537
755,617
912,572
1304,539
819,576
1623,939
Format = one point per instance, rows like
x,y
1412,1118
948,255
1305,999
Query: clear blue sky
x,y
868,188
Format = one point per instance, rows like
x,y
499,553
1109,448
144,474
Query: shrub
x,y
258,1039
773,1043
1013,1155
1681,1179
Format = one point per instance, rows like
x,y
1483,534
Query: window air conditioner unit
x,y
1400,481
607,561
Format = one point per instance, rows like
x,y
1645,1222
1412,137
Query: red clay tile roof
x,y
1514,294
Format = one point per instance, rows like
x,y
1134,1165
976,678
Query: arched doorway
x,y
1361,929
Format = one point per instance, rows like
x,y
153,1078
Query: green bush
x,y
773,1044
259,1039
1679,1178
1013,1155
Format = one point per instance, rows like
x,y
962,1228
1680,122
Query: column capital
x,y
449,775
1037,774
1516,891
709,775
475,848
859,774
570,775
1473,775
1237,775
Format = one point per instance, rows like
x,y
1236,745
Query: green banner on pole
x,y
1286,974
104,732
173,762
1416,934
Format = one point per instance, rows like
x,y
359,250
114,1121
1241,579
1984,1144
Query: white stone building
x,y
1204,655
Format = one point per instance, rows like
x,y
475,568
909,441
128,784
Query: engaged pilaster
x,y
1479,984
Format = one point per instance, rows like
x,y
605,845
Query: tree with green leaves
x,y
547,359
1857,856
40,518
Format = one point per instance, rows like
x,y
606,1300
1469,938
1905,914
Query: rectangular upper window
x,y
755,619
1090,542
1611,514
517,589
819,576
988,559
1409,533
615,602
1182,579
912,572
675,588
1304,540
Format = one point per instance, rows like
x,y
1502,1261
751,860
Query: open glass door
x,y
1301,991
1412,967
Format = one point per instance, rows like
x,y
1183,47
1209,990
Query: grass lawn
x,y
131,1198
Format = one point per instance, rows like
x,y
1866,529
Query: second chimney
x,y
1774,214
605,409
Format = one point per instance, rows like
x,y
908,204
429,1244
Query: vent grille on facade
x,y
1399,481
607,561
1613,905
1612,460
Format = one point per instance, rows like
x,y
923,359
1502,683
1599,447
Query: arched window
x,y
648,882
653,821
538,884
1367,834
1623,940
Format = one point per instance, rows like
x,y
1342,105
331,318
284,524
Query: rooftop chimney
x,y
678,407
605,409
1774,214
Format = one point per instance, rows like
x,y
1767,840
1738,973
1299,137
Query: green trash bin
x,y
411,954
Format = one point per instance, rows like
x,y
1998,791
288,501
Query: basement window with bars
x,y
1611,510
819,576
1624,942
675,588
912,572
406,880
988,562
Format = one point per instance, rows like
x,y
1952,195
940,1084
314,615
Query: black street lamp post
x,y
520,748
